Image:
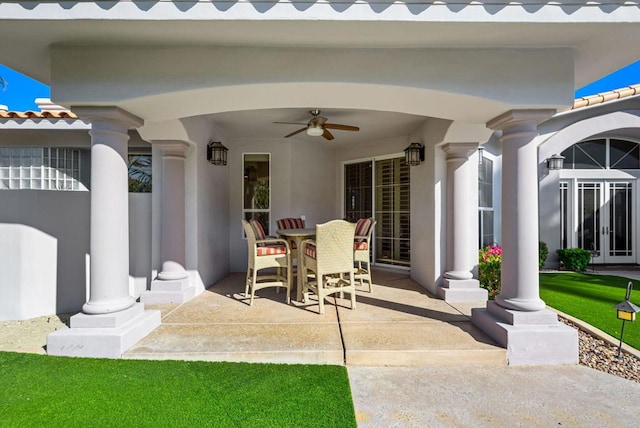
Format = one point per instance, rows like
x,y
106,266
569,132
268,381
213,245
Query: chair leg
x,y
353,291
253,286
369,274
246,282
289,278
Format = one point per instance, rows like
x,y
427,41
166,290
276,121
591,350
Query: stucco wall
x,y
302,183
51,230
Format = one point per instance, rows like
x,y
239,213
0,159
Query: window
x,y
485,202
41,168
139,173
603,153
256,188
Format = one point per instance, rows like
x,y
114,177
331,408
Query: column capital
x,y
460,150
517,117
112,113
171,147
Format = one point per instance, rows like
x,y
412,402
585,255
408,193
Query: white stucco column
x,y
462,217
111,321
172,217
519,279
172,283
518,318
109,272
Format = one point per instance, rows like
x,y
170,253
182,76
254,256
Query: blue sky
x,y
20,91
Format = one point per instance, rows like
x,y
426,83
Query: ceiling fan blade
x,y
290,123
328,135
296,132
341,127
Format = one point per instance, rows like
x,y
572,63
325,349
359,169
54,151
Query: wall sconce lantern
x,y
480,156
217,153
414,154
626,311
555,162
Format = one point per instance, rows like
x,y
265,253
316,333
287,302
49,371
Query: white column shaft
x,y
520,285
109,274
462,211
172,239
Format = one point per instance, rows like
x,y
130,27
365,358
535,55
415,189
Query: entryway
x,y
600,216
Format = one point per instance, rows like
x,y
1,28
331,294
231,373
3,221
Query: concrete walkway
x,y
554,396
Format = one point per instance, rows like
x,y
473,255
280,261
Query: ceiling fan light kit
x,y
315,131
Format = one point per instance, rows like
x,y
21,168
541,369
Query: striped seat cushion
x,y
290,223
310,250
360,244
258,229
270,250
362,226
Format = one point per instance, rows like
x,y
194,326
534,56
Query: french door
x,y
380,188
605,220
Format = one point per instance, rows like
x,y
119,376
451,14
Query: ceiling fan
x,y
318,126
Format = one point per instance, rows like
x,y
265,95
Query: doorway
x,y
603,219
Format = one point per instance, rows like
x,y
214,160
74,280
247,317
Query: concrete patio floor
x,y
398,324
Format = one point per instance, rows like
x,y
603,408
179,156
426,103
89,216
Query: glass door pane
x,y
358,195
589,222
392,237
620,221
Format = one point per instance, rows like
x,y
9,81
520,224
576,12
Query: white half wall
x,y
34,219
28,263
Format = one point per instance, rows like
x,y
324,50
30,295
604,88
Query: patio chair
x,y
264,253
291,223
362,249
327,262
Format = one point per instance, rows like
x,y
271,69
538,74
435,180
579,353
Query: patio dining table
x,y
297,235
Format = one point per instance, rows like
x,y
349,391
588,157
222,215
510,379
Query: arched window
x,y
603,153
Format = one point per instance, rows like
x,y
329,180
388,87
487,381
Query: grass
x,y
40,390
592,298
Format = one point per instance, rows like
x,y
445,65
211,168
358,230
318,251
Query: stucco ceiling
x,y
374,125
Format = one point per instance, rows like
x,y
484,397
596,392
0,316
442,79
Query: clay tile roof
x,y
604,97
48,110
37,114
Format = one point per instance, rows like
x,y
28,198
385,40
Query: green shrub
x,y
576,259
489,269
543,252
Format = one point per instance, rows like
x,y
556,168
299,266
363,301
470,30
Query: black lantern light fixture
x,y
555,162
414,154
217,153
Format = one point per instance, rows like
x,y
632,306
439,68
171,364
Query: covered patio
x,y
398,324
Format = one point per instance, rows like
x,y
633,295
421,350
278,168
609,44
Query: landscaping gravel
x,y
601,355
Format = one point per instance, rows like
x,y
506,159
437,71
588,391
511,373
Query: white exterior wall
x,y
302,183
46,235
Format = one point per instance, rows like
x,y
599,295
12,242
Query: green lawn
x,y
592,298
40,390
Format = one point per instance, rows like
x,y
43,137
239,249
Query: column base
x,y
105,335
175,291
462,290
531,338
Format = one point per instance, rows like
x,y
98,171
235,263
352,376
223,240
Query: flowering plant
x,y
489,269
